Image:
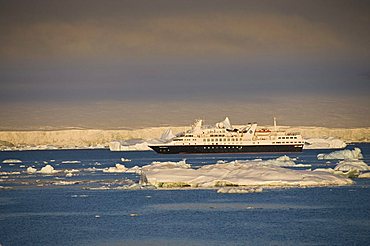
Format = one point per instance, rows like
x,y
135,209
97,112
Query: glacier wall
x,y
102,138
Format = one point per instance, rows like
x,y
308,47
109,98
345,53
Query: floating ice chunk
x,y
9,173
240,190
93,169
342,155
352,165
364,175
71,162
31,170
68,175
48,169
324,143
62,182
12,161
125,160
135,169
119,168
71,171
5,188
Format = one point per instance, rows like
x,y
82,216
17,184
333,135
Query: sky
x,y
129,64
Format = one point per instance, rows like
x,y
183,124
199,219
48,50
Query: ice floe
x,y
239,190
118,168
134,169
364,175
342,155
125,160
236,174
11,161
63,182
324,143
71,162
352,165
71,172
9,173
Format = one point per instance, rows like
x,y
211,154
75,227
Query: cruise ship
x,y
224,138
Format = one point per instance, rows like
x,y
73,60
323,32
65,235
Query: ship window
x,y
279,137
282,137
278,142
295,137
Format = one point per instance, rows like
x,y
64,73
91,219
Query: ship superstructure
x,y
223,138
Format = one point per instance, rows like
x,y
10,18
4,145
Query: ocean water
x,y
35,210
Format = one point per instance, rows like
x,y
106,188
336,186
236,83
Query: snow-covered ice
x,y
342,155
324,143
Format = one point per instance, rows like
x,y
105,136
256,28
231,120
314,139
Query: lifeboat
x,y
263,132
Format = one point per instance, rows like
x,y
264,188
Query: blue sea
x,y
36,210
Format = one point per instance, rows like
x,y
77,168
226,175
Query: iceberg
x,y
324,143
236,174
224,124
130,145
342,155
167,135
